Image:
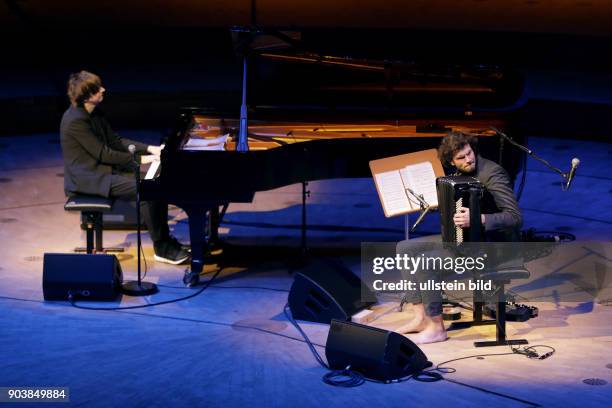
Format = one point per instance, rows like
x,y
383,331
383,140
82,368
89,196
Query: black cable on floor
x,y
344,378
144,258
225,287
499,394
206,285
229,287
308,342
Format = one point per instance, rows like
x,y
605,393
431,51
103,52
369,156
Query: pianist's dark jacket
x,y
503,218
92,151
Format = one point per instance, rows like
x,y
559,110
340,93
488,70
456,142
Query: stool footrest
x,y
500,343
471,323
104,250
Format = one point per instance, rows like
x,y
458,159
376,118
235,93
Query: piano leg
x,y
197,221
213,226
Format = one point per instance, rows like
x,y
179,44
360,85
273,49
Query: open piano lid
x,y
284,75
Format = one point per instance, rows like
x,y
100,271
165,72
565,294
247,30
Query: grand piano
x,y
310,116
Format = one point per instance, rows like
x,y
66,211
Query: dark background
x,y
155,58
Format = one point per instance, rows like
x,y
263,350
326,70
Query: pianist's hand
x,y
149,158
155,150
462,218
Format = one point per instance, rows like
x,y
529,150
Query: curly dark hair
x,y
452,143
81,85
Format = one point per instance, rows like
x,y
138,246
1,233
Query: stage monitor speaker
x,y
377,354
327,290
86,276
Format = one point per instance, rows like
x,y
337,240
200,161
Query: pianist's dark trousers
x,y
154,213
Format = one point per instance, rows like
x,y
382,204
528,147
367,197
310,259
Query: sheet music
x,y
152,169
421,178
217,143
392,192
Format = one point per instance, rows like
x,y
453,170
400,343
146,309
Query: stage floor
x,y
232,346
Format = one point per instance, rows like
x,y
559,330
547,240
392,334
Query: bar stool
x,y
499,278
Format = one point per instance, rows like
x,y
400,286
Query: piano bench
x,y
499,278
91,208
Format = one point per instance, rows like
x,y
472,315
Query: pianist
x,y
97,161
500,217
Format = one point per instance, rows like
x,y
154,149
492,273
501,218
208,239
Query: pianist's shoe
x,y
170,251
176,242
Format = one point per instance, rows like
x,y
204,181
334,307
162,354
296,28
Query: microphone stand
x,y
138,287
425,207
242,144
530,153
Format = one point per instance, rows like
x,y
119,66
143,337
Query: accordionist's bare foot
x,y
413,326
416,323
433,331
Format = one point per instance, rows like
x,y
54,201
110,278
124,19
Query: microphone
x,y
572,173
135,164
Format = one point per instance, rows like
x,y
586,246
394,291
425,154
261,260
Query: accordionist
x,y
500,214
500,217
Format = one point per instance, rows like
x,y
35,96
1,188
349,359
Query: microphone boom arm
x,y
530,153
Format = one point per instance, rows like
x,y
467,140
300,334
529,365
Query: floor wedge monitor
x,y
378,354
84,276
327,290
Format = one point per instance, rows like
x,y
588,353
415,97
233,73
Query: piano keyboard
x,y
153,170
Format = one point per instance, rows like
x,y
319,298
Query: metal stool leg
x,y
94,230
90,225
500,323
98,232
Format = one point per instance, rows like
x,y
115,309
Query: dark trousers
x,y
431,299
154,213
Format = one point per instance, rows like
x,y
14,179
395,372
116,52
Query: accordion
x,y
455,192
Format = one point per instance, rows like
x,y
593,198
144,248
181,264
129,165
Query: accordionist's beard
x,y
466,170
